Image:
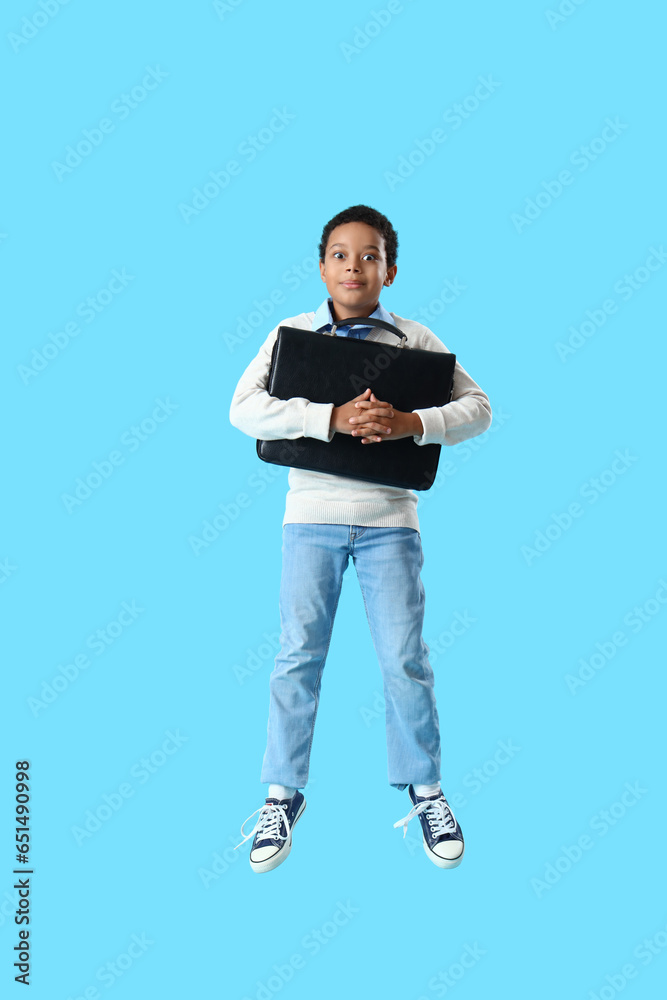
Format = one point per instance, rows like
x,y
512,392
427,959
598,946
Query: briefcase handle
x,y
367,321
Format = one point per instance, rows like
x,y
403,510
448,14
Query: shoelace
x,y
268,823
440,816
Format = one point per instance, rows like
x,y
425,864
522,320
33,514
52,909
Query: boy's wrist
x,y
418,427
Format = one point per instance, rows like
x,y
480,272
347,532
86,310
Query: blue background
x,y
195,658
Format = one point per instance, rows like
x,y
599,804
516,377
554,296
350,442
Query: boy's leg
x,y
388,562
315,557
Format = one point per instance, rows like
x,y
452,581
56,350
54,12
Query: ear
x,y
391,274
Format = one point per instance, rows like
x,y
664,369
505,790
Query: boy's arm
x,y
268,418
465,416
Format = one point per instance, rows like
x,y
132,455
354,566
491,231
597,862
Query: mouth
x,y
352,284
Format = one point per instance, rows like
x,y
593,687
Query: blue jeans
x,y
388,562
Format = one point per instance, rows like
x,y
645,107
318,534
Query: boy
x,y
329,518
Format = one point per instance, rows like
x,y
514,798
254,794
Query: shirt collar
x,y
323,317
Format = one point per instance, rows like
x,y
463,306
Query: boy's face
x,y
355,269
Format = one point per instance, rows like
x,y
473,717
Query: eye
x,y
337,252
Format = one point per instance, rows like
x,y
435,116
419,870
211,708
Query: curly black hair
x,y
363,213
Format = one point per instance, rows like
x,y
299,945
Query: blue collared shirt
x,y
323,320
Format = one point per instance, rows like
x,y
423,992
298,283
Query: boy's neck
x,y
341,313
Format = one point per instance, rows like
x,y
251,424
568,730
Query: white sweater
x,y
320,498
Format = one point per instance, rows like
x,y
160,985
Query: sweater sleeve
x,y
269,418
467,414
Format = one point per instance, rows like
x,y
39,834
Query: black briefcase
x,y
326,368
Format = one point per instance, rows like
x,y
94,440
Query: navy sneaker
x,y
443,839
273,831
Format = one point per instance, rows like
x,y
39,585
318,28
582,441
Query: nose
x,y
353,266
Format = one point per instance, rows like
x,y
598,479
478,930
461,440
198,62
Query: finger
x,y
367,415
366,430
367,424
369,404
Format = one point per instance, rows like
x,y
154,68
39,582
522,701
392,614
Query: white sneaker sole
x,y
277,859
443,862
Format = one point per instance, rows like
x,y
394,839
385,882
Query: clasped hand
x,y
372,420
